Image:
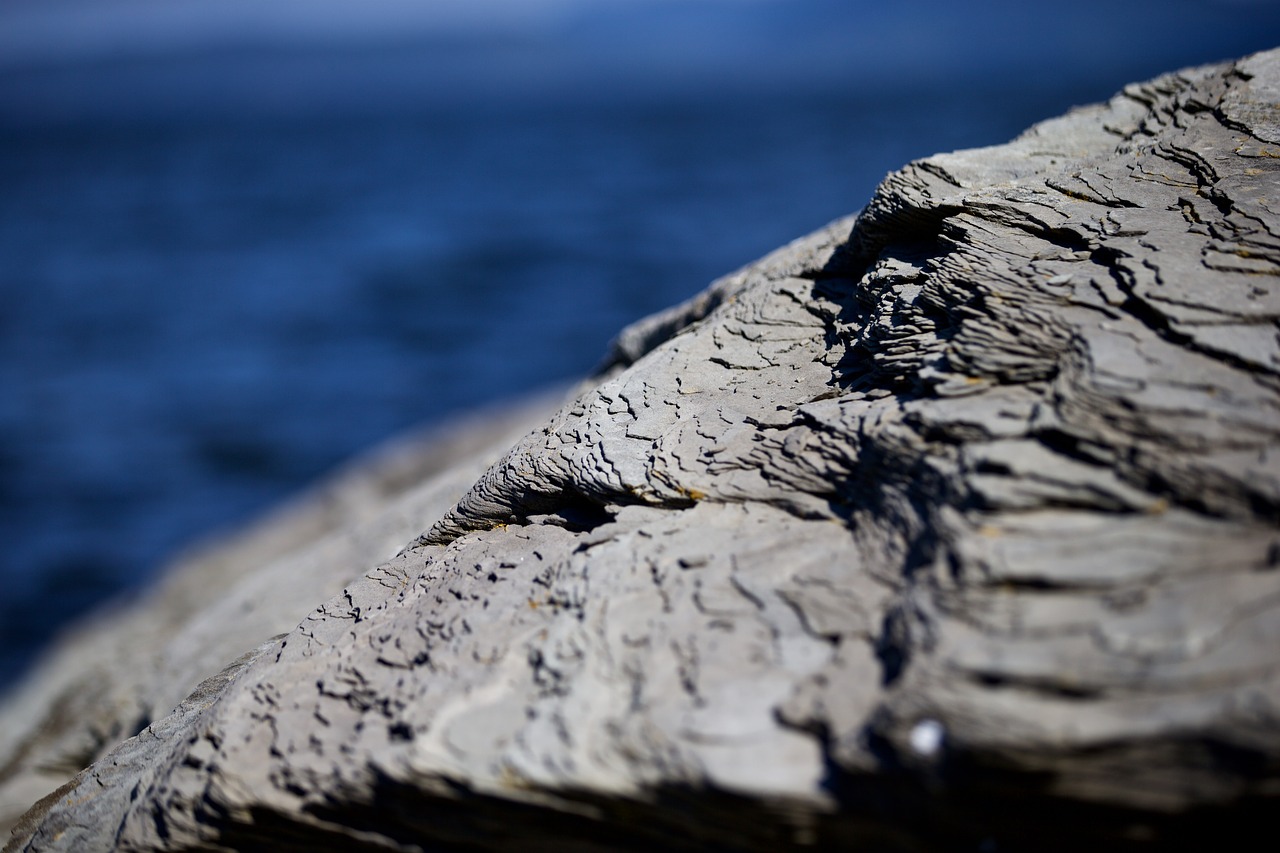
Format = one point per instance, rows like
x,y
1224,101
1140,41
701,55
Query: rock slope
x,y
956,524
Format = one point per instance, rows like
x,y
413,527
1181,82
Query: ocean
x,y
224,272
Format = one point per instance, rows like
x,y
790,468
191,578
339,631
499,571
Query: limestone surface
x,y
954,525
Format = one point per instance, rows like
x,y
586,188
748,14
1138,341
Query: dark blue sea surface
x,y
225,272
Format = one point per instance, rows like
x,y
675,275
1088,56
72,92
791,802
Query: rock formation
x,y
953,525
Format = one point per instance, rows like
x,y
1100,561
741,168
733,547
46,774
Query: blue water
x,y
223,273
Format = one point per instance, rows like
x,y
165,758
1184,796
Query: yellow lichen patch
x,y
1077,195
512,778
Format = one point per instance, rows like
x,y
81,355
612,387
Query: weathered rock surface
x,y
954,525
114,675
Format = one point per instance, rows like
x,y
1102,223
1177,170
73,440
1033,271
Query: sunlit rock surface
x,y
956,524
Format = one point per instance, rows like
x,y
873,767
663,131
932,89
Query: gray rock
x,y
114,675
956,525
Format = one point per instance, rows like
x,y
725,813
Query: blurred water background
x,y
241,241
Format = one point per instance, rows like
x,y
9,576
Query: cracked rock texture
x,y
955,524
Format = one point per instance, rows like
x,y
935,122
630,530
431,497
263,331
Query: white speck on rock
x,y
927,737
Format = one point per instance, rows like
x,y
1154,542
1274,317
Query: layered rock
x,y
111,677
956,523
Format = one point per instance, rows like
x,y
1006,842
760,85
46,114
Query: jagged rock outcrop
x,y
954,525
